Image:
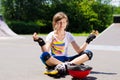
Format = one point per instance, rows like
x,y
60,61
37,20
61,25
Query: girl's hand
x,y
92,36
35,36
95,32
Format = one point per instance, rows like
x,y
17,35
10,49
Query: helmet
x,y
79,71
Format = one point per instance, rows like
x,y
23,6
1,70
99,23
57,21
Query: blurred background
x,y
29,16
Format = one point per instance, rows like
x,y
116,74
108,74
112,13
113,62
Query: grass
x,y
80,34
42,34
74,34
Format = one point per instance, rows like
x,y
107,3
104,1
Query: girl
x,y
55,49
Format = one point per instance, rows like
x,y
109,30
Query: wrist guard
x,y
40,41
90,38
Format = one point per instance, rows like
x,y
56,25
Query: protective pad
x,y
89,54
45,56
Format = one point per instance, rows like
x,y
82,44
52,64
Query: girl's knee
x,y
88,53
45,56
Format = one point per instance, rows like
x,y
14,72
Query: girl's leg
x,y
82,57
53,61
49,60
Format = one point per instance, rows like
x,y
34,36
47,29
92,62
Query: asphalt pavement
x,y
19,60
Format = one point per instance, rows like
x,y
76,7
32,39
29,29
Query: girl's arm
x,y
88,40
78,48
44,46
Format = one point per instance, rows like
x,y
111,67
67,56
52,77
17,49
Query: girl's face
x,y
61,24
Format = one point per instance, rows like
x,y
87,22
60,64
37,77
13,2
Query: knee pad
x,y
89,54
45,56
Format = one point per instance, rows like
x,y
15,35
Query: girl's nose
x,y
60,23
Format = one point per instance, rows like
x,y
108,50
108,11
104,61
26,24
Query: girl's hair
x,y
58,16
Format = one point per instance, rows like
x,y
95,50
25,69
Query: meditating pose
x,y
55,48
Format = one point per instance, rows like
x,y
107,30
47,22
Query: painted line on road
x,y
104,47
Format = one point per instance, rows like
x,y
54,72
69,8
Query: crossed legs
x,y
51,61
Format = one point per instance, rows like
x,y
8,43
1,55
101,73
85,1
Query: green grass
x,y
74,34
80,34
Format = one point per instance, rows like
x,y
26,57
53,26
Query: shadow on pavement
x,y
94,78
87,78
107,73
